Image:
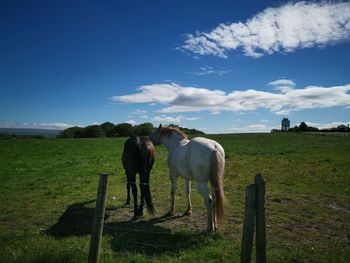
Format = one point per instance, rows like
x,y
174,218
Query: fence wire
x,y
193,185
194,192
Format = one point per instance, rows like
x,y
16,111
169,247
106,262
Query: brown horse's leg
x,y
132,181
142,201
147,191
127,203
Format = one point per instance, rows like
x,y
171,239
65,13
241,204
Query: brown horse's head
x,y
155,136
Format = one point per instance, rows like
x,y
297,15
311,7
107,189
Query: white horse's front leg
x,y
173,178
188,196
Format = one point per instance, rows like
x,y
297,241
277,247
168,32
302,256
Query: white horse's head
x,y
155,136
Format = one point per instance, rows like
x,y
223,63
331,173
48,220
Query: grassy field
x,y
48,189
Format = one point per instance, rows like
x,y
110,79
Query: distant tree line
x,y
7,136
109,129
303,127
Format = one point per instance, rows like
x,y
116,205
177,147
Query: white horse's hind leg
x,y
173,178
188,196
214,211
203,190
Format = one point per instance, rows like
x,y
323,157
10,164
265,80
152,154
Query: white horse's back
x,y
200,161
206,146
192,159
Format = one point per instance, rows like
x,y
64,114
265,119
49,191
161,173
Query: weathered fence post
x,y
248,225
260,219
254,212
97,228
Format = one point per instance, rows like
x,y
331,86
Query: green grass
x,y
44,184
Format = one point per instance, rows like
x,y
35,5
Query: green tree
x,y
121,130
143,129
72,132
107,127
93,131
303,126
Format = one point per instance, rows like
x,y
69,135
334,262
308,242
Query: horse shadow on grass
x,y
142,236
150,238
76,220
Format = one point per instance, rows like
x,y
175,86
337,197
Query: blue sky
x,y
219,66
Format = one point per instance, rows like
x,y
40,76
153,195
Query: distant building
x,y
285,124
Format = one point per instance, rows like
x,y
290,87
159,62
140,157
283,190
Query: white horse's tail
x,y
217,166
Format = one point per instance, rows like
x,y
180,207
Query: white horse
x,y
199,159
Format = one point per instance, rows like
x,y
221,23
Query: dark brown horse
x,y
138,157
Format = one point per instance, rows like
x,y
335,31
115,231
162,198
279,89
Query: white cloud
x,y
281,102
282,82
137,112
286,28
36,125
191,118
138,116
207,70
251,128
157,93
132,122
169,119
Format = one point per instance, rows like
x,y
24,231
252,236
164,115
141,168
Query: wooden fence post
x,y
248,225
97,228
260,219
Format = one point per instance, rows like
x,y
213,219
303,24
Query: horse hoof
x,y
187,213
170,213
136,217
210,230
127,204
151,212
140,214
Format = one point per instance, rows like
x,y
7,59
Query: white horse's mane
x,y
167,131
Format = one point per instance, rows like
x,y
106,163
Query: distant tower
x,y
285,124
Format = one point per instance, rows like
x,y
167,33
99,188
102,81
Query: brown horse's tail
x,y
216,180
